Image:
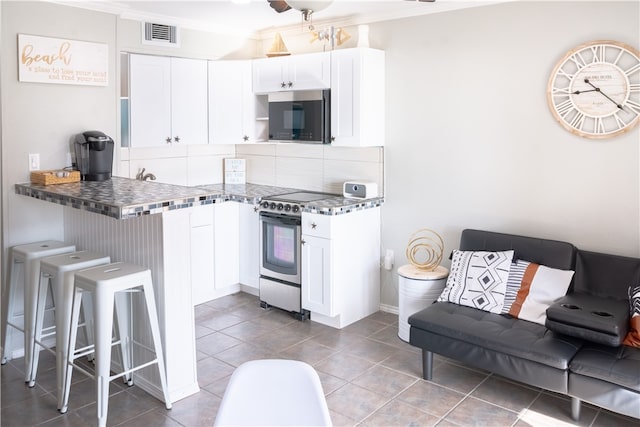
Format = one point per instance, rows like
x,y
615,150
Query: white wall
x,y
471,142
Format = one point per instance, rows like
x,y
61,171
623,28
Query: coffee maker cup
x,y
94,155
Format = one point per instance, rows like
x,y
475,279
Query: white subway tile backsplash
x,y
336,172
310,151
202,170
362,154
263,149
260,169
226,150
299,173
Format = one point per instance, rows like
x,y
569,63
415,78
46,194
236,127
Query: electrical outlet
x,y
34,162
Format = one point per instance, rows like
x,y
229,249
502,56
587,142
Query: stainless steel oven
x,y
280,251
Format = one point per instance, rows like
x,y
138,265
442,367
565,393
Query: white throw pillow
x,y
478,279
538,287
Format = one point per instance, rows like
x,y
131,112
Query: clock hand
x,y
578,92
597,89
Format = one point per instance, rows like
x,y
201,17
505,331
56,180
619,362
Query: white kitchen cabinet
x,y
298,72
168,101
233,107
226,224
202,254
249,247
341,266
357,97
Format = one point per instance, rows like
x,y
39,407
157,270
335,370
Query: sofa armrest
x,y
600,320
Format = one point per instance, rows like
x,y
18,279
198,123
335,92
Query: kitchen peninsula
x,y
150,224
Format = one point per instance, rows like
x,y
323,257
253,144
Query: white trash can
x,y
417,289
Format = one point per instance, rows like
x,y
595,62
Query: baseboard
x,y
389,309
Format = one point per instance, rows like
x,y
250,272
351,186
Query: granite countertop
x,y
123,198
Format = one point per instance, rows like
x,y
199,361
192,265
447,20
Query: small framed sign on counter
x,y
62,61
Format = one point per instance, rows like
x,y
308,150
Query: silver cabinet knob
x,y
302,242
290,84
313,225
283,85
168,140
177,139
333,138
245,138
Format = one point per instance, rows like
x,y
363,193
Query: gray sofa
x,y
578,351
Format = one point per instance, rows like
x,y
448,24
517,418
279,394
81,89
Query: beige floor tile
x,y
213,344
371,350
472,411
307,351
384,381
431,398
344,366
397,413
355,402
505,393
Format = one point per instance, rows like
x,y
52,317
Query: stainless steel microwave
x,y
300,116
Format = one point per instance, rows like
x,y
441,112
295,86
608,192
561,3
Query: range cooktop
x,y
290,203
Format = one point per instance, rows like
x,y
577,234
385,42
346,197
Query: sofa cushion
x,y
617,365
605,275
515,337
633,337
600,320
478,279
538,287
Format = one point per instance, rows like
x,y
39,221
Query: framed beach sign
x,y
62,61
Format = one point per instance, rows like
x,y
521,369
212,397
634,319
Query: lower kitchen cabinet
x,y
249,247
341,266
202,254
214,251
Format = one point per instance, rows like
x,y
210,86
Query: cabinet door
x,y
150,100
310,71
202,252
231,103
269,74
226,250
357,97
249,246
189,101
317,292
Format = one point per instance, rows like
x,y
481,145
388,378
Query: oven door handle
x,y
272,218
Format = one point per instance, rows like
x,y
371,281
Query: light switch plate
x,y
34,162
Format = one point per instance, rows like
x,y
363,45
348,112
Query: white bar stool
x,y
273,392
112,285
29,256
58,271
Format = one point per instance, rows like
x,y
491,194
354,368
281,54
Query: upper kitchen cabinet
x,y
168,101
236,114
357,97
299,72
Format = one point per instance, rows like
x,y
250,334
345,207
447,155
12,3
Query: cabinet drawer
x,y
316,225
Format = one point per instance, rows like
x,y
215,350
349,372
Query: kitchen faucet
x,y
141,176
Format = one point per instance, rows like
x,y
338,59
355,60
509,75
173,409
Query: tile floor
x,y
370,378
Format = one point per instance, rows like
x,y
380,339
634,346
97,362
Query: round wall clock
x,y
594,90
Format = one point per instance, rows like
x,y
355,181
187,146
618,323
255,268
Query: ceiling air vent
x,y
161,34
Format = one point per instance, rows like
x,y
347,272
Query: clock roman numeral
x,y
578,59
633,69
619,121
598,125
577,122
564,107
598,52
561,91
633,105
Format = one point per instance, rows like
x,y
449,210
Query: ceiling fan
x,y
307,7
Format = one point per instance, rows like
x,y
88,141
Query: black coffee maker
x,y
94,155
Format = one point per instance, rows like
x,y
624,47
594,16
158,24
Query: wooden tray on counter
x,y
50,177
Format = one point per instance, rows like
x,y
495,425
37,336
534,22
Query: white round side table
x,y
417,289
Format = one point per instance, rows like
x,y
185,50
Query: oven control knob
x,y
295,209
287,208
265,205
272,205
280,206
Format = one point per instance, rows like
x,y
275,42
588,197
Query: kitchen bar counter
x,y
150,224
123,198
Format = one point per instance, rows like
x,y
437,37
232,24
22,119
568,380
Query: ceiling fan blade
x,y
279,5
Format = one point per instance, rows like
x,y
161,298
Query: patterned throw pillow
x,y
478,279
532,288
633,336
